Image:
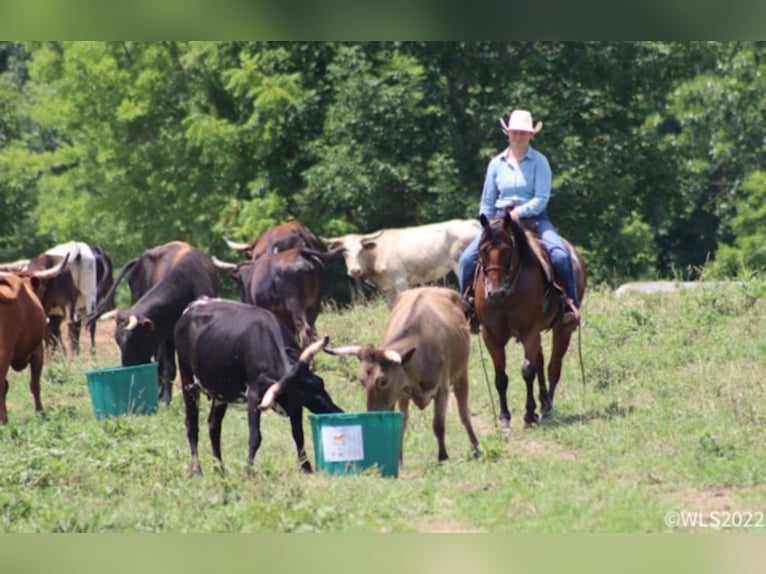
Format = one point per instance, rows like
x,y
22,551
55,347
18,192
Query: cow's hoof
x,y
531,418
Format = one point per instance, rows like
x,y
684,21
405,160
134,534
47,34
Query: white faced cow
x,y
395,259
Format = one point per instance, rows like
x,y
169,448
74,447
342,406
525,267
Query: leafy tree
x,y
656,147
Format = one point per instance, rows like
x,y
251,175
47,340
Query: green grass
x,y
672,416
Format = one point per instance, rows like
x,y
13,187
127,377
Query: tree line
x,y
656,147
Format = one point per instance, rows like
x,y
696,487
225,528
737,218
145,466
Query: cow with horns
x,y
163,280
395,259
70,294
235,352
289,283
22,328
423,354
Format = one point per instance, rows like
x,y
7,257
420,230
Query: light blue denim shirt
x,y
528,187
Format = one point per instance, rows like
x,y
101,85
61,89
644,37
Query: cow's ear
x,y
367,245
148,323
407,355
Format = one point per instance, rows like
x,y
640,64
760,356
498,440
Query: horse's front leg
x,y
497,352
533,353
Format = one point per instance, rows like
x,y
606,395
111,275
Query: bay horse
x,y
516,298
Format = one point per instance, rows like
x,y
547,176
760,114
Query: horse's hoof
x,y
505,424
531,418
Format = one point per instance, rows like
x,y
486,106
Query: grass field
x,y
671,417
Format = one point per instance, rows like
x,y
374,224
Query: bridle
x,y
512,272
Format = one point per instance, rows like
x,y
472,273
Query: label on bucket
x,y
342,444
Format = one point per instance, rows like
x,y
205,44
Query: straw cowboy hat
x,y
521,121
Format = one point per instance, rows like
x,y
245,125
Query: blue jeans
x,y
551,240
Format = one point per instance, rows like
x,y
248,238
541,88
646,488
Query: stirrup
x,y
469,308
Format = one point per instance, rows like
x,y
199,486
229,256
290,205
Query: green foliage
x,y
656,147
630,251
375,139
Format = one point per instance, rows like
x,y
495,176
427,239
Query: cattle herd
x,y
259,350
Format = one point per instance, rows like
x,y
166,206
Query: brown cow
x,y
281,237
290,284
425,350
69,293
22,328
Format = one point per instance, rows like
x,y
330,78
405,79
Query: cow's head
x,y
381,373
357,250
136,336
299,386
241,273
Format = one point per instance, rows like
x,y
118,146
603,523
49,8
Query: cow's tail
x,y
102,305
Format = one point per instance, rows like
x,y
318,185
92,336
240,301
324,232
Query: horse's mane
x,y
517,232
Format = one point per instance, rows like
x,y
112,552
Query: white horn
x,y
237,246
309,352
392,356
109,315
19,265
53,271
132,323
347,350
374,235
224,265
270,396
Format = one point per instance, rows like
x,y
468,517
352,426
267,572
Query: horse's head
x,y
499,257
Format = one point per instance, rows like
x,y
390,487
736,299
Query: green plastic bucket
x,y
123,390
348,443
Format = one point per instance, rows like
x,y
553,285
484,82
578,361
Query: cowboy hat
x,y
521,121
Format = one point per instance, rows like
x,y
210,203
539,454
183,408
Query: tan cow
x,y
424,352
395,259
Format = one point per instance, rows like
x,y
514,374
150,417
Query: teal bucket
x,y
124,390
348,443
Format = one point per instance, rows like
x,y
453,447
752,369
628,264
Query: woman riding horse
x,y
519,180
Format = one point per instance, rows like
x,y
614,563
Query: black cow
x,y
163,281
239,353
288,283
